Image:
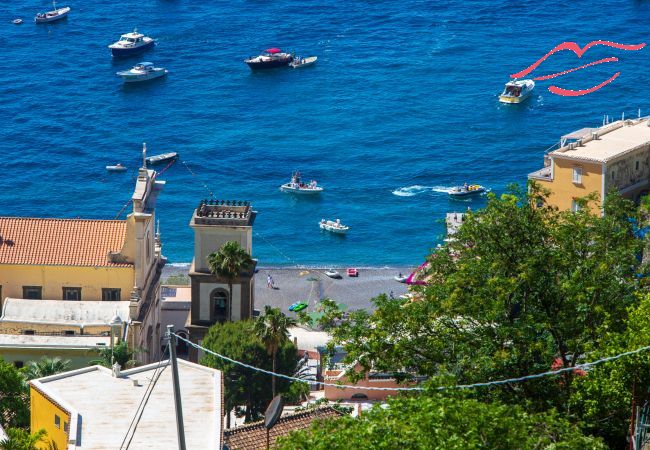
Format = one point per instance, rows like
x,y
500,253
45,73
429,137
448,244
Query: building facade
x,y
615,156
215,223
73,260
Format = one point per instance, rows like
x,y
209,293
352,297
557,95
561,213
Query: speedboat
x,y
163,157
333,273
401,278
303,62
51,16
516,91
333,226
467,190
17,21
116,168
131,44
142,72
269,59
297,186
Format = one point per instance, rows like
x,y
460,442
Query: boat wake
x,y
417,189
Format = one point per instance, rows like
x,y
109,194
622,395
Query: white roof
x,y
63,312
614,140
53,341
103,406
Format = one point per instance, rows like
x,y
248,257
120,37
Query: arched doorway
x,y
219,306
181,346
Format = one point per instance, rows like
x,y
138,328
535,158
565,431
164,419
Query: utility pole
x,y
180,429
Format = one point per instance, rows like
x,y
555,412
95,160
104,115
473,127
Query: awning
x,y
273,50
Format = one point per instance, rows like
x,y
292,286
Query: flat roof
x,y
53,341
615,140
63,312
103,406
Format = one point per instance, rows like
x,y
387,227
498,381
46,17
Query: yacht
x,y
131,44
269,59
142,72
516,91
297,186
51,16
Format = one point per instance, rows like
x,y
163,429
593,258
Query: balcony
x,y
543,174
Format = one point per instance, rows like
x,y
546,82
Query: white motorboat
x,y
333,226
333,273
17,21
303,62
297,186
116,168
131,44
516,91
163,157
52,16
401,278
142,72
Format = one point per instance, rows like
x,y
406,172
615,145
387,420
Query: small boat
x,y
116,168
142,72
298,306
352,272
163,157
333,226
269,59
401,278
131,44
516,91
51,16
467,190
303,62
297,186
17,21
333,273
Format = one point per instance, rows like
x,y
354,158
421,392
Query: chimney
x,y
594,135
116,370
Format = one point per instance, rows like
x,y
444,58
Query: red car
x,y
353,272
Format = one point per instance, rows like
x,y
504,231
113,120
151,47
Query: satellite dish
x,y
273,412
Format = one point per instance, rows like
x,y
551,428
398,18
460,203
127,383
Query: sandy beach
x,y
311,284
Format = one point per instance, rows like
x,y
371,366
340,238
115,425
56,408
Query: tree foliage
x,y
46,366
121,354
431,421
244,386
19,439
14,398
229,262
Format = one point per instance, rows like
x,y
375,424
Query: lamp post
x,y
115,323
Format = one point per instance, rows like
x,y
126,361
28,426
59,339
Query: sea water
x,y
401,106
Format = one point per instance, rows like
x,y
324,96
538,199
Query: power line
x,y
441,388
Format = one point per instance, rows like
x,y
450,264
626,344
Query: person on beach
x,y
271,284
269,281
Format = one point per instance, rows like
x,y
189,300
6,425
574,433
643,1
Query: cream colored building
x,y
614,156
88,260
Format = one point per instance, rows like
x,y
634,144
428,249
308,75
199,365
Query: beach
x,y
293,284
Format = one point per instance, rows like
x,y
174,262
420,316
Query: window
x,y
577,175
636,165
111,295
71,293
57,421
575,206
68,333
18,364
33,292
613,174
360,396
29,332
66,427
219,302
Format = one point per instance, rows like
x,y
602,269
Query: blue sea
x,y
401,106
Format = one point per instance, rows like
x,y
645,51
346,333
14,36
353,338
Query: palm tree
x,y
45,367
19,439
273,330
229,262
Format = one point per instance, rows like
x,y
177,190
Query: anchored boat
x,y
297,186
333,226
269,59
116,168
163,157
516,91
303,62
131,44
142,72
51,16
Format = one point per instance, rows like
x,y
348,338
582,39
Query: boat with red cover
x,y
269,59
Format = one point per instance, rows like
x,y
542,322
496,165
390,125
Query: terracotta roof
x,y
253,436
60,242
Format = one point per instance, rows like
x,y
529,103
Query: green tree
x,y
120,354
229,263
46,366
19,439
245,387
522,287
273,330
14,398
429,421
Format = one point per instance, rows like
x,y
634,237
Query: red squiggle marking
x,y
572,93
553,75
575,48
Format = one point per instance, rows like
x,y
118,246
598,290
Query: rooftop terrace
x,y
224,212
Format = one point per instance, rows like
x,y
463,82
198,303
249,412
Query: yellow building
x,y
91,261
614,156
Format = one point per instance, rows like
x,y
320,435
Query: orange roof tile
x,y
60,242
